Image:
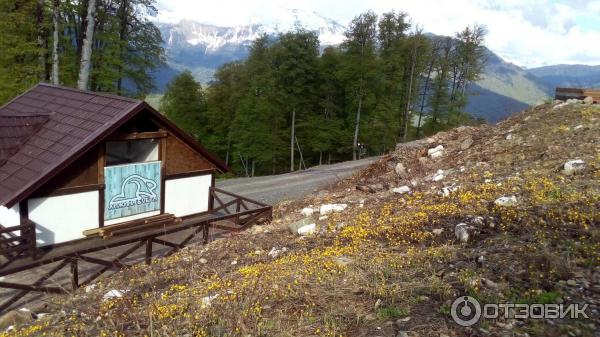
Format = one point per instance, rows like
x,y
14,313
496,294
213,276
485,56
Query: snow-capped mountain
x,y
214,37
203,47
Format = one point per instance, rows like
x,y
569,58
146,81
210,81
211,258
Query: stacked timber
x,y
133,226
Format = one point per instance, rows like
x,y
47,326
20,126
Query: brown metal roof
x,y
48,127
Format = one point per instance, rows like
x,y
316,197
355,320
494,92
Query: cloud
x,y
527,32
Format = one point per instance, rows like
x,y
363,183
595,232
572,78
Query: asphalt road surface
x,y
272,189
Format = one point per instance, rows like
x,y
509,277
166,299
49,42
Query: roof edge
x,y
189,139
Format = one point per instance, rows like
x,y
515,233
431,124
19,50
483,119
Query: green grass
x,y
392,312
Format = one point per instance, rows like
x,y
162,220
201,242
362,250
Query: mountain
x,y
567,75
202,47
504,88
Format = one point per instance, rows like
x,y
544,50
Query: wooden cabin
x,y
577,93
73,161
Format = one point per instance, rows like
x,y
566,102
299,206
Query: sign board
x,y
131,189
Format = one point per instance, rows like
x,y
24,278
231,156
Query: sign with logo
x,y
131,189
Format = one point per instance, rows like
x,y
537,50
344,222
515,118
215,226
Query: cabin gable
x,y
134,166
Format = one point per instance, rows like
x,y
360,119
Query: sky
x,y
529,33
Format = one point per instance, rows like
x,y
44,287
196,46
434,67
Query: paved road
x,y
272,189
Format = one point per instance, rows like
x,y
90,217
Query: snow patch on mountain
x,y
213,37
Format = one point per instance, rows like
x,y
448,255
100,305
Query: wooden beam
x,y
112,264
120,257
74,274
140,135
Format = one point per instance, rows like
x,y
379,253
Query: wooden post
x,y
149,251
205,233
74,273
237,210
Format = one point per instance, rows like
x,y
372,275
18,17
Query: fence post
x,y
211,198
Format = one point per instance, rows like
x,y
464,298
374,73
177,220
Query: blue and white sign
x,y
131,189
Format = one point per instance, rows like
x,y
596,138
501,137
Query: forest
x,y
290,105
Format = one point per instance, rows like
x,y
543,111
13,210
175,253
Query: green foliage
x,y
184,103
19,50
392,312
126,47
364,91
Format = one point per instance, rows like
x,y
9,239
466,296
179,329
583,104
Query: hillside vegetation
x,y
389,264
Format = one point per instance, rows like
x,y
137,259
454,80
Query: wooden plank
x,y
194,173
112,264
29,288
132,223
140,135
142,227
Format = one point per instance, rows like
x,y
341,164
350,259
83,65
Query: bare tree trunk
x,y
292,138
55,17
228,149
425,90
41,39
86,51
357,127
122,37
408,99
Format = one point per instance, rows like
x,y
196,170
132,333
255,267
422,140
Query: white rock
x,y
436,152
207,301
560,106
588,100
437,231
274,252
509,136
573,166
323,217
439,175
307,230
89,288
401,189
113,294
574,101
331,208
203,260
461,233
234,262
307,211
400,170
506,201
447,190
578,127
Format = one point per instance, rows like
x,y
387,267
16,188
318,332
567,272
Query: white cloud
x,y
527,32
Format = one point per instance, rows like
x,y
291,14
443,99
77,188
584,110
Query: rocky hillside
x,y
504,213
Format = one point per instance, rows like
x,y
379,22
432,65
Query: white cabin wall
x,y
64,218
129,218
10,216
189,195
